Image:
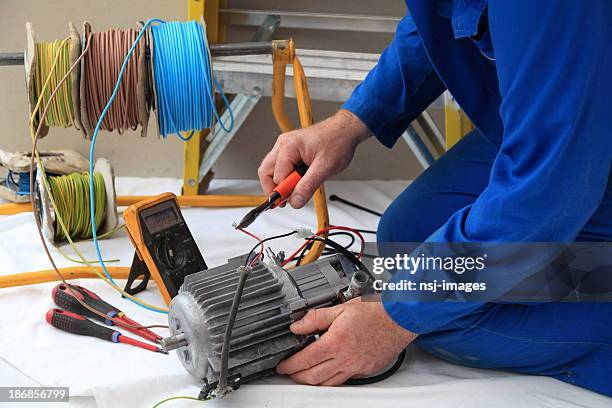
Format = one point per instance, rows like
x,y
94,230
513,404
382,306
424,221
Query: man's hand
x,y
326,147
360,341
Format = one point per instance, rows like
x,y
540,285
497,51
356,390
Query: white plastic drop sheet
x,y
116,375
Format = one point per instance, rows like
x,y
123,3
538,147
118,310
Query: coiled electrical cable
x,y
184,80
112,97
53,62
71,196
102,63
92,148
21,185
35,132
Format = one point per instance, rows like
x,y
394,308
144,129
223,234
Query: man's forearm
x,y
352,125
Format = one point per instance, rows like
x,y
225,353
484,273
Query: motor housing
x,y
272,299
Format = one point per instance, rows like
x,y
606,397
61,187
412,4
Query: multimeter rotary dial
x,y
170,253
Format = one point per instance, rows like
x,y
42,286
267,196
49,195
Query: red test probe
x,y
77,324
66,299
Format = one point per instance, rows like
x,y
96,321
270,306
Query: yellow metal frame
x,y
193,148
456,122
283,55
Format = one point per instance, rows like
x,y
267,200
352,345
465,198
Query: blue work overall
x,y
535,77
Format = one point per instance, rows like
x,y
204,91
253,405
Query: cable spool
x,y
39,59
71,195
16,186
99,73
183,84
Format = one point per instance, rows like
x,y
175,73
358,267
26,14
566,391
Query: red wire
x,y
293,255
327,229
354,231
260,253
257,258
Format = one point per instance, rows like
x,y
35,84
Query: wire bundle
x,y
71,196
102,64
183,78
61,110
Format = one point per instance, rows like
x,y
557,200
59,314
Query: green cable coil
x,y
71,195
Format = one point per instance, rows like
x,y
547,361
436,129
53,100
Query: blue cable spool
x,y
184,79
22,185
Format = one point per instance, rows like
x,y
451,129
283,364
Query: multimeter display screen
x,y
161,220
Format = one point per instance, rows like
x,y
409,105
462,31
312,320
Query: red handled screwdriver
x,y
66,299
77,324
278,196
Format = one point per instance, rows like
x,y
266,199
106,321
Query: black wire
x,y
11,183
350,255
12,179
266,240
333,234
364,231
335,197
326,252
303,254
344,234
382,376
331,251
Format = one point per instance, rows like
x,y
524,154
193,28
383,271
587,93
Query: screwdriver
x,y
66,299
78,324
280,194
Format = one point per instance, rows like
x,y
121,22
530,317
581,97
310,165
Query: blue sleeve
x,y
554,66
398,89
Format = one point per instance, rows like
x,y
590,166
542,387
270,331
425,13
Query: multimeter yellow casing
x,y
163,242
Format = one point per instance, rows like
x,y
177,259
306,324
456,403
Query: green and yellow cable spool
x,y
70,193
65,109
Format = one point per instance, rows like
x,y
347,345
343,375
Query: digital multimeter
x,y
163,242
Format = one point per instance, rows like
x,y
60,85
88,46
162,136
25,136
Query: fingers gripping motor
x,y
272,299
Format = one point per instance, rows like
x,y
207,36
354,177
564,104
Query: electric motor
x,y
272,299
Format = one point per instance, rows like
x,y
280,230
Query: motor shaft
x,y
174,342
